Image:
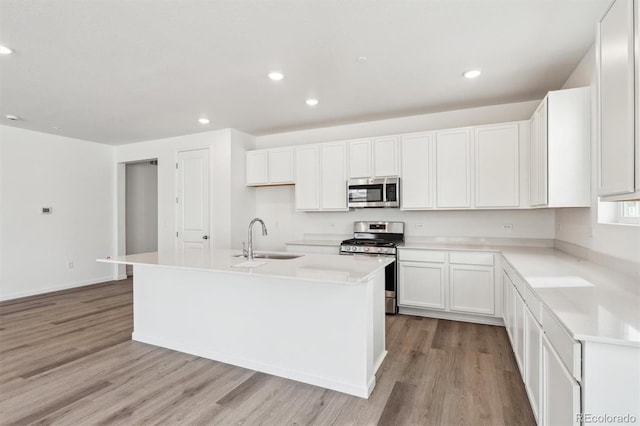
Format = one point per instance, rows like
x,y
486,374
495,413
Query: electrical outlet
x,y
419,225
507,227
70,264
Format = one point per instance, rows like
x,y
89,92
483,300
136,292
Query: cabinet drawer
x,y
422,256
533,303
568,349
471,258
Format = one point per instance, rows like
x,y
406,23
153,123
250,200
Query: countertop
x,y
331,268
592,302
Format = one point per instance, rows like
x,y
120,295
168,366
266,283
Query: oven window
x,y
365,193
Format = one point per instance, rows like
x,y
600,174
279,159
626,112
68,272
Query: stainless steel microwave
x,y
374,192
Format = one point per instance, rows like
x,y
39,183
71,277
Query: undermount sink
x,y
279,256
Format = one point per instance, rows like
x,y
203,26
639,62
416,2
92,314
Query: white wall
x,y
231,202
580,226
77,179
276,204
141,207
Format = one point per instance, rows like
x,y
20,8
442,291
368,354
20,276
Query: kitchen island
x,y
317,319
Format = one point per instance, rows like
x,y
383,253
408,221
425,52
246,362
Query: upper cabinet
x,y
618,67
270,167
321,177
418,171
560,150
497,157
377,157
453,168
477,167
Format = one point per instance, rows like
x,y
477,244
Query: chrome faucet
x,y
250,237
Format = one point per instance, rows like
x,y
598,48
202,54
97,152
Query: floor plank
x,y
66,358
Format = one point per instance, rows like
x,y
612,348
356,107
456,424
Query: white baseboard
x,y
453,316
36,292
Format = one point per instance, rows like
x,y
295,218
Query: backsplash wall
x,y
276,206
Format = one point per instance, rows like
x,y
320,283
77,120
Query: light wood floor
x,y
67,358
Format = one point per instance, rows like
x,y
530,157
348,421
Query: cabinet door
x,y
518,329
422,285
417,171
538,158
533,356
281,165
497,178
386,156
616,100
533,160
472,289
560,392
334,176
507,305
360,159
257,168
453,169
307,190
542,141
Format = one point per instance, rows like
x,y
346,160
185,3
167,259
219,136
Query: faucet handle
x,y
245,253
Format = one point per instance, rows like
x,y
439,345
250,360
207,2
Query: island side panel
x,y
315,332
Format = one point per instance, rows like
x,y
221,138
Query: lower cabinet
x,y
455,285
560,392
533,357
422,284
554,393
472,289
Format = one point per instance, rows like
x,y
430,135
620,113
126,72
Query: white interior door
x,y
192,198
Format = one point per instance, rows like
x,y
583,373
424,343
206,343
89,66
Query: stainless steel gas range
x,y
378,239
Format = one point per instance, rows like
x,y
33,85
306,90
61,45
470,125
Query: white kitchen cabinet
x,y
507,305
360,158
257,167
377,157
533,358
422,284
518,329
270,166
386,156
321,177
560,392
497,158
472,289
453,168
618,68
334,176
281,165
418,171
560,150
453,285
308,178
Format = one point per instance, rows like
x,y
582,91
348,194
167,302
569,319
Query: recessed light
x,y
275,75
4,50
12,117
472,73
362,59
204,120
312,102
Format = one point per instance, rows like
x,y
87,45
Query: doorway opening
x,y
141,208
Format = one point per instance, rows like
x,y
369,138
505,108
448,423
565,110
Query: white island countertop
x,y
313,267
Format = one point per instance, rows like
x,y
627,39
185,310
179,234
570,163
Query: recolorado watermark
x,y
605,418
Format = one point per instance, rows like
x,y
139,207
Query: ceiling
x,y
122,71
